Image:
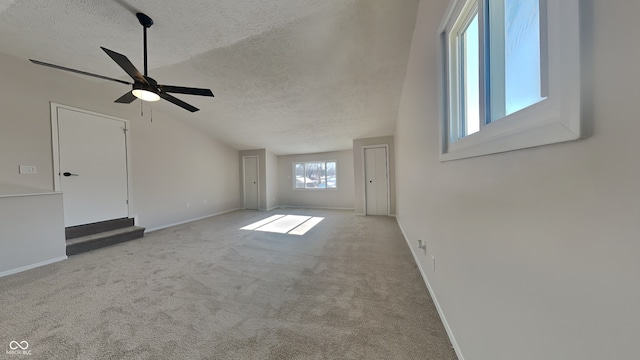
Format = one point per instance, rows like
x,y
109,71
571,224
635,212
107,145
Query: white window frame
x,y
313,161
465,16
552,120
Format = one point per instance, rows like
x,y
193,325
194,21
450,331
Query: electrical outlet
x,y
423,245
188,204
204,202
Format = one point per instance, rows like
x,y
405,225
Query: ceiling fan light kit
x,y
144,87
145,95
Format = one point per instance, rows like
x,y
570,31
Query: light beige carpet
x,y
347,289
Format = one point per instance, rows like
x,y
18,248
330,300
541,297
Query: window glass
x,y
300,176
522,85
515,51
470,79
315,175
331,175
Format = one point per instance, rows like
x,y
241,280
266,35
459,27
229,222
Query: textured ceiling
x,y
292,76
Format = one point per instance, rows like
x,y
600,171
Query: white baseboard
x,y
269,209
363,214
190,220
32,266
314,207
452,338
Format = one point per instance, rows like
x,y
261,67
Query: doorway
x,y
90,165
250,181
376,175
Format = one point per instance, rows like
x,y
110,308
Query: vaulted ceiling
x,y
292,76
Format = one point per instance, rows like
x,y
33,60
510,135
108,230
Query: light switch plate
x,y
27,169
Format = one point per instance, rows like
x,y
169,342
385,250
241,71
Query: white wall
x,y
536,250
340,198
25,244
171,163
272,187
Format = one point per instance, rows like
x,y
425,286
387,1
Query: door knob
x,y
69,174
370,181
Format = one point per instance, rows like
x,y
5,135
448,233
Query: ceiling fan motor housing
x,y
144,20
141,86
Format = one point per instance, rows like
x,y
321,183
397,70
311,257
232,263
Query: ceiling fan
x,y
144,87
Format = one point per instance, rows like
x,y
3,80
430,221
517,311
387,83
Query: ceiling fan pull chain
x,y
141,112
151,109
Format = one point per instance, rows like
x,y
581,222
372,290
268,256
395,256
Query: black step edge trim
x,y
79,248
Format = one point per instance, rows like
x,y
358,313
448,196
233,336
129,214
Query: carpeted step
x,y
73,232
95,241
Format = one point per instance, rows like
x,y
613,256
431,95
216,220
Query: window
x,y
315,175
510,76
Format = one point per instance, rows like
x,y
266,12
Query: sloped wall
x,y
172,163
536,250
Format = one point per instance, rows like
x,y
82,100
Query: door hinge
x,y
127,202
125,130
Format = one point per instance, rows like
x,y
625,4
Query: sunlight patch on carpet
x,y
262,222
285,224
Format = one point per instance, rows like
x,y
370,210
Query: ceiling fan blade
x,y
127,98
178,102
185,90
126,65
78,71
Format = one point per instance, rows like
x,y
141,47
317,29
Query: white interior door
x,y
376,181
93,167
251,196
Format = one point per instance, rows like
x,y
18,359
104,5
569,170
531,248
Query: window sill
x,y
525,129
315,189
